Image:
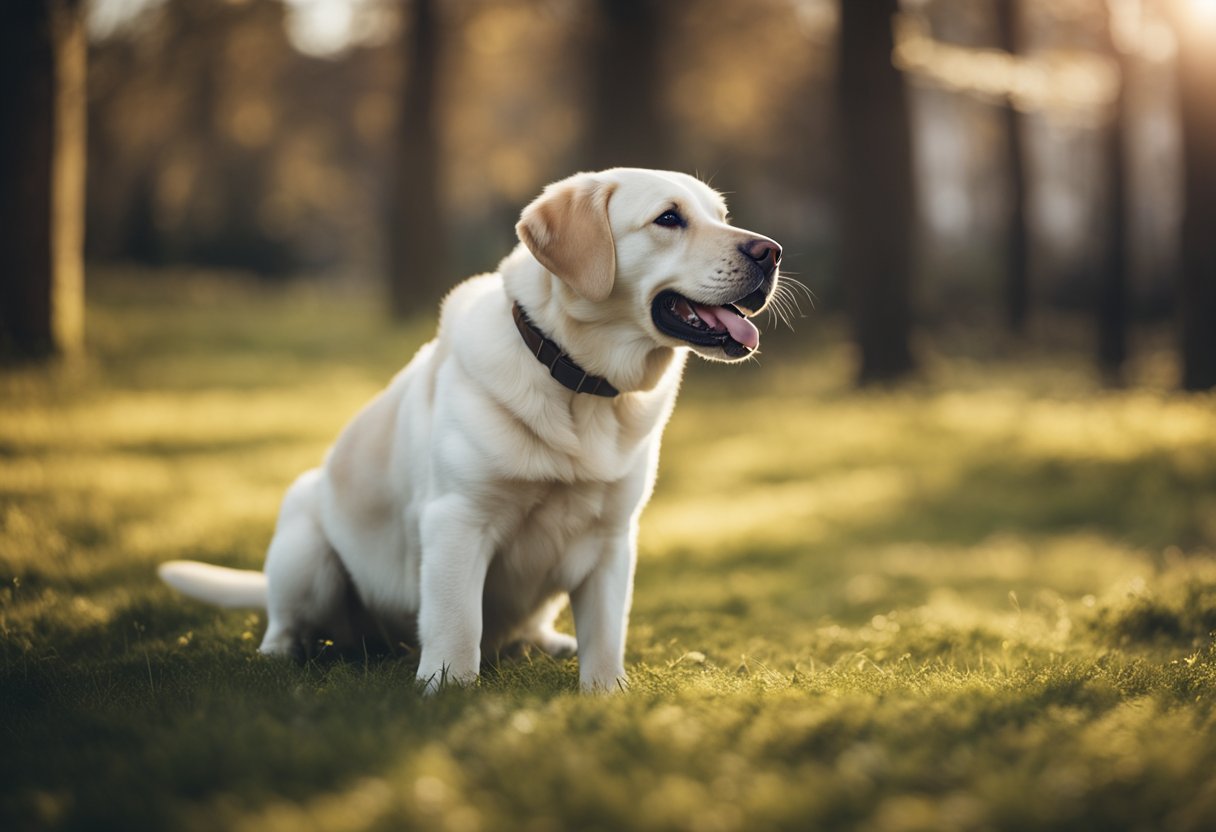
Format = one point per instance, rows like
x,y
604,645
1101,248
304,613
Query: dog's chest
x,y
550,543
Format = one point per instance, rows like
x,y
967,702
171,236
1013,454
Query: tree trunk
x,y
1112,282
417,273
42,162
1017,276
1197,291
625,117
875,191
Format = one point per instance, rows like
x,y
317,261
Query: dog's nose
x,y
765,252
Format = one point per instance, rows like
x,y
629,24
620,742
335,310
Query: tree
x,y
42,162
415,229
875,191
625,119
1111,307
1017,276
1197,288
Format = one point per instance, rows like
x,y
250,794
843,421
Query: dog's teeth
x,y
687,314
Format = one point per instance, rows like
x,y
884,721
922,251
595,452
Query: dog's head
x,y
654,248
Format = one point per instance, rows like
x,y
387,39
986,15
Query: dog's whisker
x,y
790,284
787,307
784,307
790,302
777,310
783,311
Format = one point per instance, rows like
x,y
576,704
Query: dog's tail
x,y
219,585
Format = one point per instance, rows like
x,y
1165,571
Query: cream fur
x,y
468,500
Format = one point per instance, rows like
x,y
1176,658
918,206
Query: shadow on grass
x,y
241,726
1186,615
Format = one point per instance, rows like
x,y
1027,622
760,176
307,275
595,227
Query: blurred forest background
x,y
926,164
983,600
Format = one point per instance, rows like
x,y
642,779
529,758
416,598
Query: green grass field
x,y
982,602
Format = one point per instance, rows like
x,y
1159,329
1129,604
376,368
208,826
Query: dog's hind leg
x,y
307,584
540,632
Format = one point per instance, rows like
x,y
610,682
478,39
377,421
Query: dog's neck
x,y
564,369
603,345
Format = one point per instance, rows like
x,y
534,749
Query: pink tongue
x,y
740,328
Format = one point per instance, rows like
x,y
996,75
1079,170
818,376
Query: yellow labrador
x,y
504,469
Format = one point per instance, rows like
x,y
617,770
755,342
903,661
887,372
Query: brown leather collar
x,y
561,366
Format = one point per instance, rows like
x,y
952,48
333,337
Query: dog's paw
x,y
605,685
433,680
558,645
285,645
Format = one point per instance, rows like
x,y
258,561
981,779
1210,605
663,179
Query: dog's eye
x,y
670,219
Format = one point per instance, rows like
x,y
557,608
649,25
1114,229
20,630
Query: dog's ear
x,y
566,229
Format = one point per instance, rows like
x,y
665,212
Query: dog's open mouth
x,y
724,326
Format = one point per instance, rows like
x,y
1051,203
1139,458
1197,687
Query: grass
x,y
982,602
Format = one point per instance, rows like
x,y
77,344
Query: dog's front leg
x,y
601,616
456,553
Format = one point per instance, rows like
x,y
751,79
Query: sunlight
x,y
105,17
1204,11
1072,81
320,27
327,28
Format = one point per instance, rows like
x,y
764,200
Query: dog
x,y
503,470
